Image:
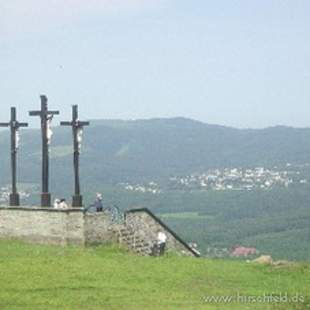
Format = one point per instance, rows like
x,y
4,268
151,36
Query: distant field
x,y
184,215
51,277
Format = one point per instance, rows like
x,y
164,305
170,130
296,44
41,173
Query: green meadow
x,y
108,277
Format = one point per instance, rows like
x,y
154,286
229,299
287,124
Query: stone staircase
x,y
128,237
138,232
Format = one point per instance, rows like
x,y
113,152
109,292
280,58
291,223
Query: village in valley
x,y
150,187
240,179
5,194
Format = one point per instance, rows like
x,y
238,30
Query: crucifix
x,y
77,130
46,119
14,127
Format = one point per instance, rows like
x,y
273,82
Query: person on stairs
x,y
161,242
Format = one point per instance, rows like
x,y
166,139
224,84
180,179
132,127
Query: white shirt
x,y
63,205
161,237
56,204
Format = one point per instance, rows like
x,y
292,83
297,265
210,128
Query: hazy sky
x,y
237,63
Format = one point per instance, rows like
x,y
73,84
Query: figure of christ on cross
x,y
14,128
46,118
77,130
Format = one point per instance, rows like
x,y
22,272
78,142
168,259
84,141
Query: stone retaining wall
x,y
97,229
72,226
146,225
42,225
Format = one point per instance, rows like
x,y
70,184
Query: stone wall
x,y
97,229
131,239
42,225
146,225
72,226
50,226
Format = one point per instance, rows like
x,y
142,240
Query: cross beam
x,y
77,127
14,127
46,117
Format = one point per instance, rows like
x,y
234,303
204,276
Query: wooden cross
x,y
14,127
77,127
46,117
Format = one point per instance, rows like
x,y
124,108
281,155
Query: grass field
x,y
51,277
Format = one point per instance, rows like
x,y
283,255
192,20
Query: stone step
x,y
126,231
126,236
133,241
138,244
127,239
141,249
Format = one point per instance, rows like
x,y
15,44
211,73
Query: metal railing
x,y
116,216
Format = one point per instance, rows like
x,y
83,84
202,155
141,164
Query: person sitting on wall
x,y
161,242
56,203
63,204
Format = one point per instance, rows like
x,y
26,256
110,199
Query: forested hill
x,y
116,150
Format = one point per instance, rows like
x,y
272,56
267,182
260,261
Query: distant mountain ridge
x,y
119,150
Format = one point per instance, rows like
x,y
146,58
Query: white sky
x,y
237,63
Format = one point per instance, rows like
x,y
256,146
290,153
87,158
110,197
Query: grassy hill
x,y
51,277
